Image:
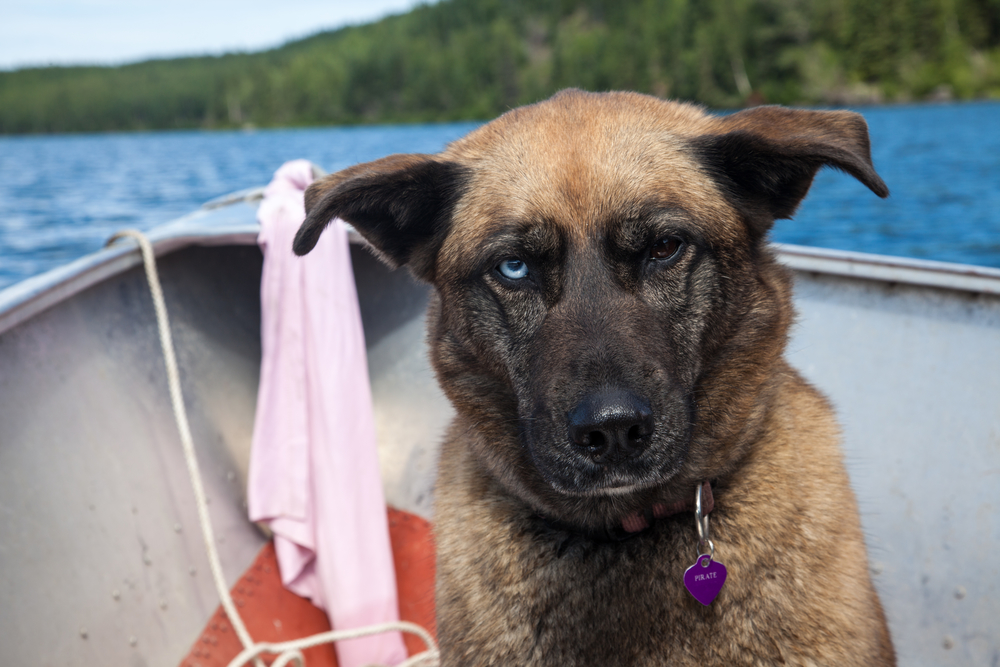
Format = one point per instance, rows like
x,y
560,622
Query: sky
x,y
108,32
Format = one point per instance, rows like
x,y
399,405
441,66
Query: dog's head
x,y
607,315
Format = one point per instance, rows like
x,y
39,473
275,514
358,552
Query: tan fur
x,y
563,162
798,591
572,185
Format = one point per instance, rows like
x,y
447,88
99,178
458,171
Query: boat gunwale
x,y
25,299
890,269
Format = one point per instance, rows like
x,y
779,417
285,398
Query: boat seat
x,y
273,614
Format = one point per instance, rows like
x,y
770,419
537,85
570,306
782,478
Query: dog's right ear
x,y
401,204
766,157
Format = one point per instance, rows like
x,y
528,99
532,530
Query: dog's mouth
x,y
578,478
608,488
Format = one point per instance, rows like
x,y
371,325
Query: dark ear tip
x,y
305,240
879,187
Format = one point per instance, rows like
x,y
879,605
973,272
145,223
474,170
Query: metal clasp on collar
x,y
701,521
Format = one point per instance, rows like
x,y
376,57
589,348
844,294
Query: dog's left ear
x,y
401,204
766,157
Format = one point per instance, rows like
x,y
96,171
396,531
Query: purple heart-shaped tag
x,y
704,579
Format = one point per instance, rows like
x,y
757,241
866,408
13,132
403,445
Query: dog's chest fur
x,y
526,595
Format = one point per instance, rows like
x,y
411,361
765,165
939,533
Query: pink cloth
x,y
314,473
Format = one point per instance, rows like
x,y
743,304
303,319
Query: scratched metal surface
x,y
914,373
101,558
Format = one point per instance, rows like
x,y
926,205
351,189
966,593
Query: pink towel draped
x,y
314,474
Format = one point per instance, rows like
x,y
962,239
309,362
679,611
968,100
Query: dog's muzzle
x,y
614,440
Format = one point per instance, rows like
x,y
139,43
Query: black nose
x,y
611,425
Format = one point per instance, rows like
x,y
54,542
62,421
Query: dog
x,y
609,322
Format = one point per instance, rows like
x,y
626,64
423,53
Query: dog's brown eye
x,y
666,248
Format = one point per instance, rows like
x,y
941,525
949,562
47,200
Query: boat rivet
x,y
876,568
163,604
960,593
948,642
230,475
92,507
135,510
192,571
177,527
132,641
83,633
116,595
147,560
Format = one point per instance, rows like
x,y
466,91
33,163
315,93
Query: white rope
x,y
287,652
427,658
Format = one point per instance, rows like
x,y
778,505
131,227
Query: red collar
x,y
640,521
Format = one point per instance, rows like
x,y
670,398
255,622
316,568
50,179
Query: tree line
x,y
473,59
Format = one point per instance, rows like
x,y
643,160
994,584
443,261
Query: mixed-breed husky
x,y
634,475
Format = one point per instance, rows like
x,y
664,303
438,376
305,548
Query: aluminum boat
x,y
101,561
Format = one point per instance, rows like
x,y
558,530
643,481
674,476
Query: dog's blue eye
x,y
513,269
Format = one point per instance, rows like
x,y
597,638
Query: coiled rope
x,y
288,652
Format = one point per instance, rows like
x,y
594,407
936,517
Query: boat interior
x,y
101,561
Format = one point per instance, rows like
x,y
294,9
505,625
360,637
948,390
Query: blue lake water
x,y
62,196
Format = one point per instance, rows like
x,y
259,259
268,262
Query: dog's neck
x,y
636,522
640,521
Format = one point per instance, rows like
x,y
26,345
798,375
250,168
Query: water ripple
x,y
62,196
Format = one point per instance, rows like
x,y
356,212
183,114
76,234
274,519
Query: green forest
x,y
473,59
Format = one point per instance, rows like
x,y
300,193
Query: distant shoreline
x,y
462,60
